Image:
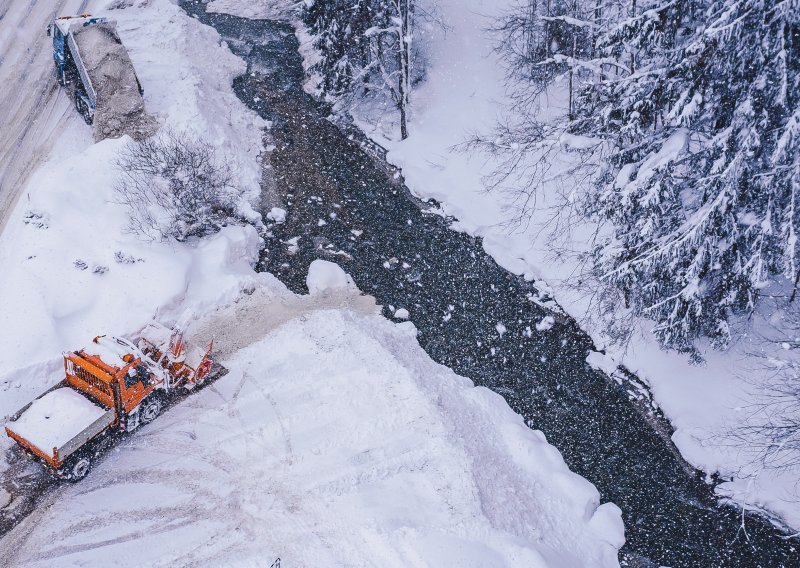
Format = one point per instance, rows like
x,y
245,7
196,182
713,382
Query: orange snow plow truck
x,y
112,386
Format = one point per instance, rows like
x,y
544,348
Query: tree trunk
x,y
598,11
403,80
633,57
794,288
530,44
547,39
572,63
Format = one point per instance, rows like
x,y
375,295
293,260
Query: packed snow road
x,y
35,110
476,318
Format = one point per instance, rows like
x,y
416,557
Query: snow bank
x,y
325,276
187,71
333,441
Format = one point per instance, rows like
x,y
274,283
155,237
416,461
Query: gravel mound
x,y
120,107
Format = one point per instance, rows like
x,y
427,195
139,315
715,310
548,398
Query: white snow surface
x,y
57,417
324,276
333,441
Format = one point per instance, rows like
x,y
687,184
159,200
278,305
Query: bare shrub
x,y
770,425
175,187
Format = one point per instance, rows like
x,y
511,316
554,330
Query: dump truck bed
x,y
61,419
110,80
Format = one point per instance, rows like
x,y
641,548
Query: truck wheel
x,y
83,109
150,409
79,469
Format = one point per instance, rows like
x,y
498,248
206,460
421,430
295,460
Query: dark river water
x,y
344,204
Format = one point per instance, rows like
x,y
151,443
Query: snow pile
x,y
277,215
56,418
333,441
325,276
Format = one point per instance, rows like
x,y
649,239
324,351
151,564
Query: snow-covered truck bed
x,y
58,423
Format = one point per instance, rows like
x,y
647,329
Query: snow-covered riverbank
x,y
334,440
464,92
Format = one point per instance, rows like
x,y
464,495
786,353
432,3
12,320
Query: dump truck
x,y
110,387
92,64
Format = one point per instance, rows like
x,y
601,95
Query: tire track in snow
x,y
287,440
35,110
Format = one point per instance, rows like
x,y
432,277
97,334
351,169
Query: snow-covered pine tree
x,y
339,29
702,185
699,104
366,48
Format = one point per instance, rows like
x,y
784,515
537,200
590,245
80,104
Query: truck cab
x,y
116,374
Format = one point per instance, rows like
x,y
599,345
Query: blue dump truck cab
x,y
59,56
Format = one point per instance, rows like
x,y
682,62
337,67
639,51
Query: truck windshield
x,y
131,378
135,375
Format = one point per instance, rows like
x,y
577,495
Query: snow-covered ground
x,y
464,93
334,439
34,110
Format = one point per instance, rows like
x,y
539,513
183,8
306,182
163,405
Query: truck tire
x,y
149,409
83,109
80,468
